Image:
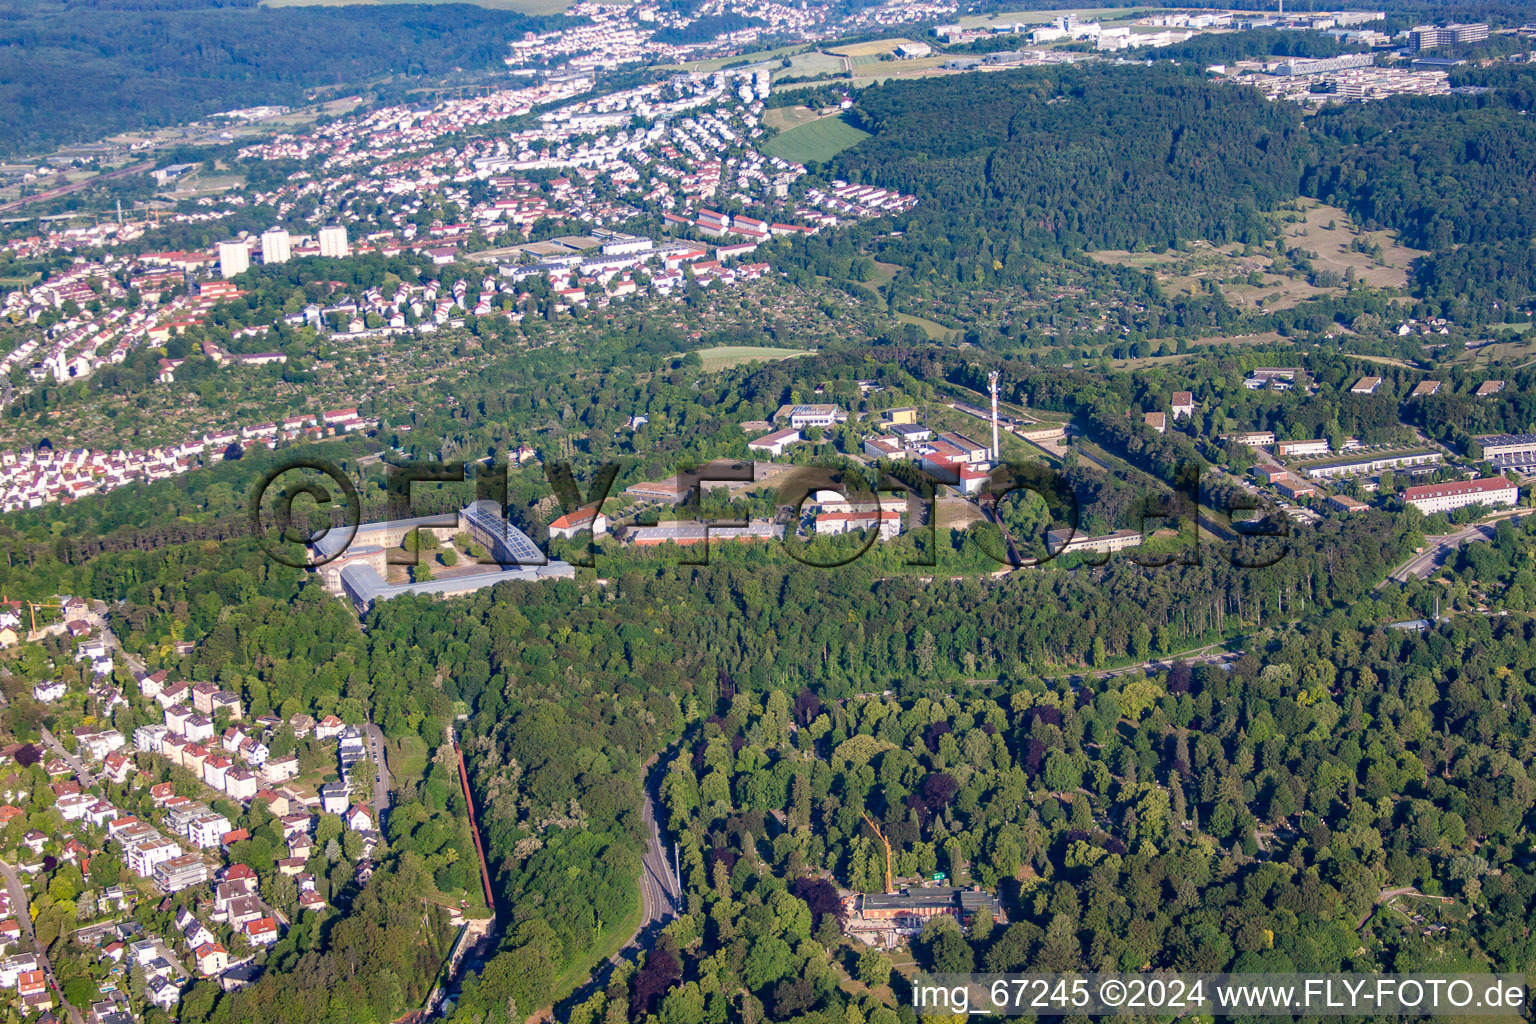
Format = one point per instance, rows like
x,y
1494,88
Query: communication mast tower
x,y
997,451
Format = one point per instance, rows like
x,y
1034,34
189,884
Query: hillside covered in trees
x,y
78,70
1017,166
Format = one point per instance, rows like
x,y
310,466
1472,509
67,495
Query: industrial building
x,y
1508,449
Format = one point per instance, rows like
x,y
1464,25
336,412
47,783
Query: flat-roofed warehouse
x,y
1513,448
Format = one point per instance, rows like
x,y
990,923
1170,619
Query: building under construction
x,y
888,919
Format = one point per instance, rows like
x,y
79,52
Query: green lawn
x,y
723,357
814,142
935,330
407,758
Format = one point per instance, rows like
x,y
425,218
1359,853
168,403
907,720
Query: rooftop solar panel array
x,y
511,546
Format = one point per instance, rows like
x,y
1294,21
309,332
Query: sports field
x,y
819,140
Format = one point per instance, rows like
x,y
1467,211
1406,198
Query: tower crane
x,y
889,888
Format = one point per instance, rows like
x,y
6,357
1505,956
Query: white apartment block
x,y
333,241
276,247
234,258
145,856
1432,498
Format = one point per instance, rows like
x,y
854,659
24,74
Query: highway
x,y
1436,555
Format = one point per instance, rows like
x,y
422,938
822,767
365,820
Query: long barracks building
x,y
360,573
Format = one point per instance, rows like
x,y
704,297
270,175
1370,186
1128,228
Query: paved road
x,y
381,784
1434,556
82,774
660,897
20,909
109,638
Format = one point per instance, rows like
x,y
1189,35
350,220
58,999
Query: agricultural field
x,y
725,357
814,141
812,62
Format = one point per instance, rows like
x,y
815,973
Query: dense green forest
x,y
1106,157
1199,821
1021,165
1086,806
78,70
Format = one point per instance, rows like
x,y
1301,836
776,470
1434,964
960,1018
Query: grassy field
x,y
812,62
873,48
1334,252
935,331
407,759
784,118
716,63
724,357
1321,232
872,71
815,141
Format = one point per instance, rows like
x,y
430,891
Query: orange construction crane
x,y
889,888
33,607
